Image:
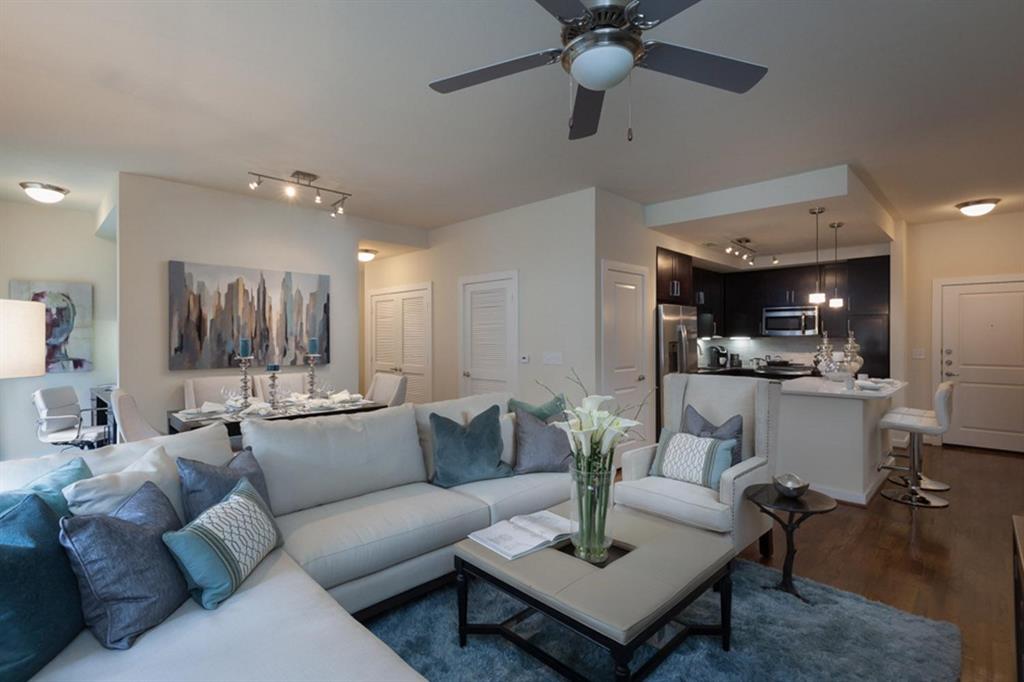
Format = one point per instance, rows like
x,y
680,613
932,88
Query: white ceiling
x,y
923,98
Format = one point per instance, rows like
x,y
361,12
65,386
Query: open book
x,y
522,535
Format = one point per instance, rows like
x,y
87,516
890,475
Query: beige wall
x,y
551,245
161,221
54,243
990,245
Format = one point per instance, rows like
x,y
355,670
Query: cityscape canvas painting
x,y
212,307
69,327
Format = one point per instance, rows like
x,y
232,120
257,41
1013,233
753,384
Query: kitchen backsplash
x,y
798,350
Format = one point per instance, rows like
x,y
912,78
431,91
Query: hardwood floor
x,y
951,564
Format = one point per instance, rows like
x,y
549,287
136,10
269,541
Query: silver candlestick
x,y
311,359
245,363
273,391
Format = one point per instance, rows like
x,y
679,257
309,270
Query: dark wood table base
x,y
622,654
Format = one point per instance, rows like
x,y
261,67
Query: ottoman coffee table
x,y
657,568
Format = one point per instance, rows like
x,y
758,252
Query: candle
x,y
313,346
273,368
244,348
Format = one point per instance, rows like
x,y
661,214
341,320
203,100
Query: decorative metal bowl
x,y
790,485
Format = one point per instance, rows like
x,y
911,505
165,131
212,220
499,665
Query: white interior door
x,y
400,334
624,340
982,351
488,333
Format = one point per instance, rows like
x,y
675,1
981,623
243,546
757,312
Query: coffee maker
x,y
718,356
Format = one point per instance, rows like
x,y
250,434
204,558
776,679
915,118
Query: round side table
x,y
797,510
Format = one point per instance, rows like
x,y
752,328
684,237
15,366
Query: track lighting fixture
x,y
775,260
301,180
728,249
740,247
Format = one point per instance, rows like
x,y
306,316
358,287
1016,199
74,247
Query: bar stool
x,y
920,423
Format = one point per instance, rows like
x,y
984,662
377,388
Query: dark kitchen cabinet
x,y
744,300
788,286
868,286
674,282
709,297
833,320
872,333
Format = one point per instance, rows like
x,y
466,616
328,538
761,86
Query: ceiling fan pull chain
x,y
572,92
629,108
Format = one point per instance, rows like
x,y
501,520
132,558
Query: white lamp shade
x,y
22,339
602,67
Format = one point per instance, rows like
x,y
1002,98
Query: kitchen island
x,y
829,436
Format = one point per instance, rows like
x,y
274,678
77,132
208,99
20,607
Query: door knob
x,y
465,374
951,374
641,378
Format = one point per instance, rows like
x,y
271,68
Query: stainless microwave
x,y
790,321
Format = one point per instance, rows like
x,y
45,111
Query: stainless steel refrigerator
x,y
677,344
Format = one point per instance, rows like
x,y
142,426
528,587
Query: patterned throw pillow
x,y
221,546
692,459
731,429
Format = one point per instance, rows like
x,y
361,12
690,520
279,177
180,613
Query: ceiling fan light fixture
x,y
602,67
977,207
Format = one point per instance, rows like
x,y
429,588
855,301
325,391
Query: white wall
x,y
54,243
551,245
160,221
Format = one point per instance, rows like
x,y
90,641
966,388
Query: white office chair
x,y
293,382
60,419
131,426
388,389
203,389
919,423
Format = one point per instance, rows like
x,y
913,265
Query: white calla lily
x,y
592,402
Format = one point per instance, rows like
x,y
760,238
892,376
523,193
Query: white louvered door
x,y
399,342
488,333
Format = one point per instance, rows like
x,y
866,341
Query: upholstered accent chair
x,y
131,425
724,510
387,388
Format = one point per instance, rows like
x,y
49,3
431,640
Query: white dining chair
x,y
292,382
131,425
388,389
202,389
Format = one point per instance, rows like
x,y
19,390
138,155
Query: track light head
x,y
318,199
728,249
253,184
775,260
289,191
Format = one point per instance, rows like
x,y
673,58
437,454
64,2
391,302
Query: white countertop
x,y
823,388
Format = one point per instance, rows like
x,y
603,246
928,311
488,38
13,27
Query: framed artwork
x,y
69,321
212,307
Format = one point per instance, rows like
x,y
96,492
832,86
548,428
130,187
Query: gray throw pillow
x,y
732,428
204,485
540,446
128,580
463,454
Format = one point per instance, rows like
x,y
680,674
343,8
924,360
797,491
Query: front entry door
x,y
983,353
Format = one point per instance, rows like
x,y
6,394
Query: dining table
x,y
178,423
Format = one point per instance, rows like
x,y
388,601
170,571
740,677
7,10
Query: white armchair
x,y
724,510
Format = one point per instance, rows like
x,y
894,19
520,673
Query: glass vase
x,y
591,498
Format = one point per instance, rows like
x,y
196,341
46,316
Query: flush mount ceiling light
x,y
44,193
977,207
301,180
366,255
818,297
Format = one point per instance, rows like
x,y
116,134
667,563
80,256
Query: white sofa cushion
x,y
209,444
456,410
686,503
318,460
104,493
280,625
522,494
351,538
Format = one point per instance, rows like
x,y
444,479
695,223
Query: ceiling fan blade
x,y
703,67
499,70
563,10
586,113
649,13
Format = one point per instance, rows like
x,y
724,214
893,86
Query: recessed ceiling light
x,y
366,255
977,207
44,193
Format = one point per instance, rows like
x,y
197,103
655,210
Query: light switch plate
x,y
552,358
918,354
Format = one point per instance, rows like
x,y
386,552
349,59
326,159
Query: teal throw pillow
x,y
219,548
692,459
40,608
49,486
544,412
463,454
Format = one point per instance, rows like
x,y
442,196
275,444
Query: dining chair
x,y
60,420
387,388
203,389
292,382
131,425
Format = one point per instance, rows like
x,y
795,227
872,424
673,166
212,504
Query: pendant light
x,y
836,301
818,296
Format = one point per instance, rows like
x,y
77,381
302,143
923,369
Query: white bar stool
x,y
920,423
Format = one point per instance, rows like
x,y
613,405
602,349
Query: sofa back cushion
x,y
456,410
317,460
209,444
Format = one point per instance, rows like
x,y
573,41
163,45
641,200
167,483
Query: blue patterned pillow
x,y
221,546
692,459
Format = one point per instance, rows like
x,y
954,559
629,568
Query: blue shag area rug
x,y
775,636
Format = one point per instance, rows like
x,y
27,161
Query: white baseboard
x,y
851,496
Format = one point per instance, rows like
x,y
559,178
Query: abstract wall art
x,y
69,323
213,307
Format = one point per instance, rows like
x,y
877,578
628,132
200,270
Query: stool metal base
x,y
929,484
915,498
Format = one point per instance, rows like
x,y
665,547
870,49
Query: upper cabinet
x,y
868,286
788,286
674,278
744,300
709,297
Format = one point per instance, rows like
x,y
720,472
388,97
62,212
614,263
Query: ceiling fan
x,y
601,45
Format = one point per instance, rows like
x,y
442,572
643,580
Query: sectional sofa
x,y
361,524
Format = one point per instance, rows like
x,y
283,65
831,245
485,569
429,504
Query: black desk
x,y
103,414
234,424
